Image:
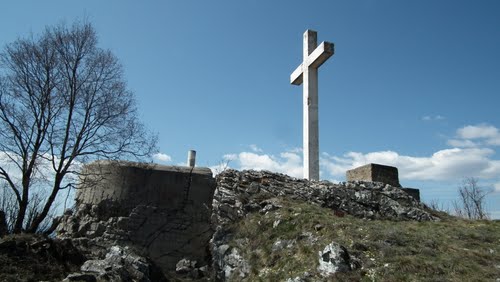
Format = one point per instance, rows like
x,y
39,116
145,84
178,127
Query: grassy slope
x,y
449,250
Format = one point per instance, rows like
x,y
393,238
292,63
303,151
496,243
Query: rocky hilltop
x,y
239,194
101,233
263,226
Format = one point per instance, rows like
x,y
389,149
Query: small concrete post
x,y
191,161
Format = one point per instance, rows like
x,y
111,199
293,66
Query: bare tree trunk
x,y
48,204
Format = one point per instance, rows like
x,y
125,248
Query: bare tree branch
x,y
471,200
63,101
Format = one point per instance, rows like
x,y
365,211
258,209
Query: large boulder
x,y
119,264
334,258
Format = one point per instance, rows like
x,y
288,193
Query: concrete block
x,y
375,173
156,208
415,193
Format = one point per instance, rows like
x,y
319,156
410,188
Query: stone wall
x,y
162,211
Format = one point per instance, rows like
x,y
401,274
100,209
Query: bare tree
x,y
222,166
438,206
63,102
471,200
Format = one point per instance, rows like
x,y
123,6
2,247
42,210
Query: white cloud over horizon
x,y
447,164
476,135
288,162
162,157
469,156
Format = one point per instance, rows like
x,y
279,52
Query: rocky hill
x,y
272,227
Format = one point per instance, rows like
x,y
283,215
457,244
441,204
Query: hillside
x,y
301,231
285,243
271,227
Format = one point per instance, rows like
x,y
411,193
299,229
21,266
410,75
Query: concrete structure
x,y
415,193
380,173
375,173
191,161
164,211
307,74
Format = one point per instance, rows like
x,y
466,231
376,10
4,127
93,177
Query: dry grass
x,y
448,250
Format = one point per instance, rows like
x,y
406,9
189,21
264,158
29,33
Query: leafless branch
x,y
63,102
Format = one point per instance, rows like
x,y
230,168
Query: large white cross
x,y
307,74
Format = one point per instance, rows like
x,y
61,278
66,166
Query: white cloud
x,y
448,164
496,187
494,141
476,135
433,118
288,162
478,131
461,143
255,149
229,157
162,157
443,165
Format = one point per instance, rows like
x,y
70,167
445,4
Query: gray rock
x,y
282,244
236,263
333,258
185,266
81,277
97,266
119,264
376,200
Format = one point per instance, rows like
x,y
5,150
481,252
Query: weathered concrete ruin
x,y
380,173
163,212
374,173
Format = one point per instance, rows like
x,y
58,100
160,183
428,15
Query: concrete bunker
x,y
162,211
380,173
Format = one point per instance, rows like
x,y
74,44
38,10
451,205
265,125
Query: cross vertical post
x,y
307,74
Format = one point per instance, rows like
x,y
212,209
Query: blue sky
x,y
415,84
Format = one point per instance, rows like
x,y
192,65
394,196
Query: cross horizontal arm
x,y
320,54
324,51
296,76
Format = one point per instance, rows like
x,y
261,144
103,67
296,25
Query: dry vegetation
x,y
31,257
448,250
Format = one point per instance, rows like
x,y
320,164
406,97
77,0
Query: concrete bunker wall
x,y
380,173
133,184
162,210
375,173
